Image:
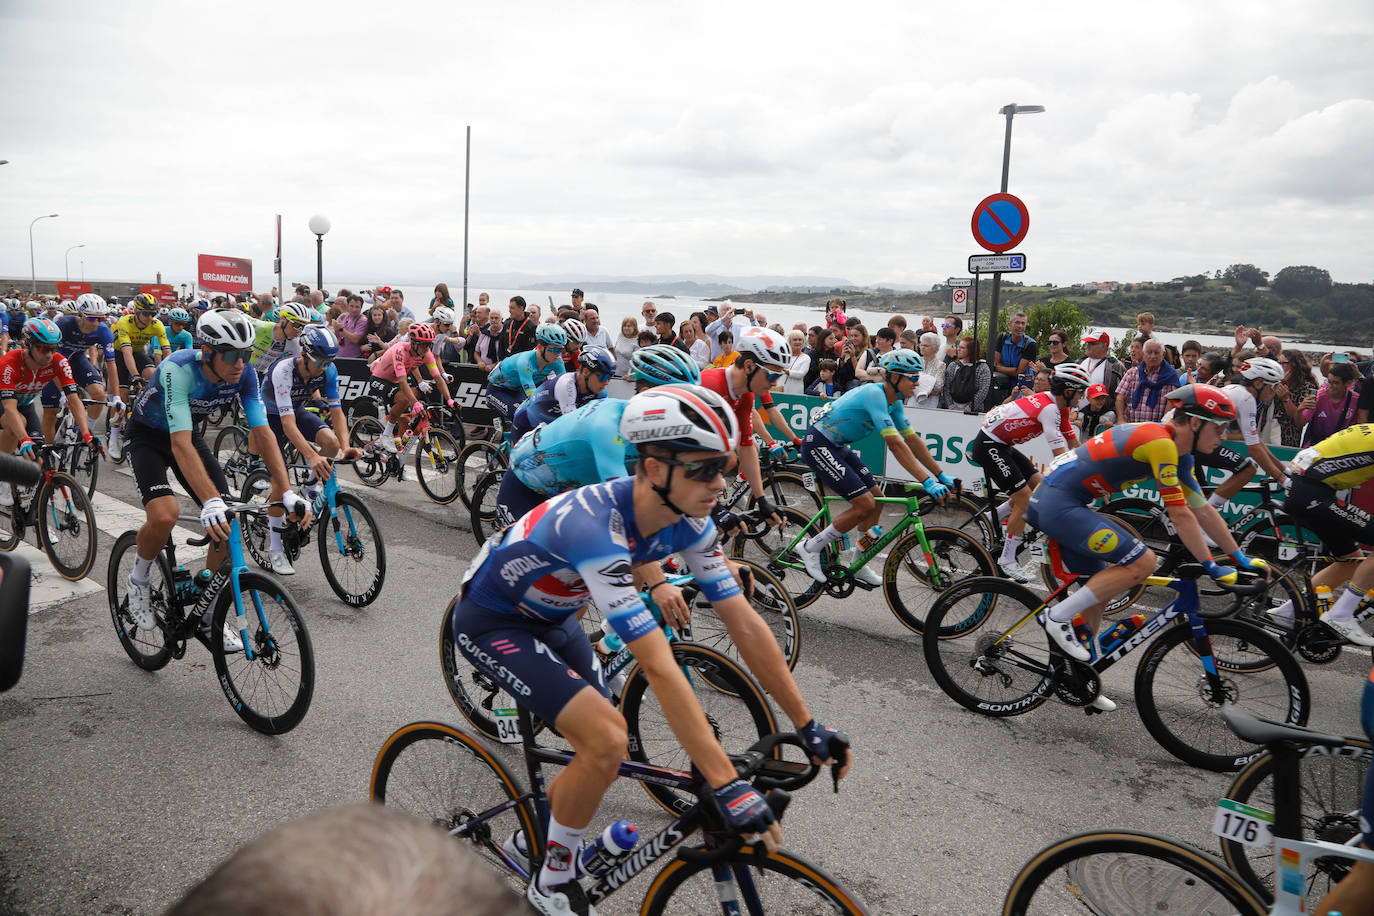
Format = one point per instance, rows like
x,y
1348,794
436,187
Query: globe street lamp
x,y
66,260
1009,112
33,275
319,225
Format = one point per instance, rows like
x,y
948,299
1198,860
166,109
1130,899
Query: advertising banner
x,y
162,292
220,274
69,290
466,388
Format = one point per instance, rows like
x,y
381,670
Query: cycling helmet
x,y
201,304
295,313
551,335
686,417
576,331
1205,401
145,303
445,315
316,316
766,347
421,333
597,359
1262,368
1070,375
902,362
68,307
226,329
14,305
664,364
42,330
90,305
319,344
179,315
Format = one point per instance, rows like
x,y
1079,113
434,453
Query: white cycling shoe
x,y
1013,571
814,563
1063,637
564,900
280,564
140,604
1102,704
232,643
1349,629
387,444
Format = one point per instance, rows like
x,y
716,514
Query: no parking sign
x,y
1000,222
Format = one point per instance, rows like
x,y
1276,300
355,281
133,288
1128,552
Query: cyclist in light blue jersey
x,y
515,378
563,393
849,418
179,336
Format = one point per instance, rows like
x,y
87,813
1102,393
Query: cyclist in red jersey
x,y
23,373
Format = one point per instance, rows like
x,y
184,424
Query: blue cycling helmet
x,y
598,359
664,364
319,344
551,335
201,304
902,362
42,330
179,315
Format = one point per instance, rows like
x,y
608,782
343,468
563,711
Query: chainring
x,y
1318,643
839,581
1075,683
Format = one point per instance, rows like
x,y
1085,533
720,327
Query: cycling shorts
x,y
1223,459
1088,542
1006,466
514,499
31,422
150,455
542,665
383,391
1341,525
141,361
839,467
84,373
504,402
308,423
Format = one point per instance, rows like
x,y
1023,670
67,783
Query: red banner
x,y
67,290
161,292
220,274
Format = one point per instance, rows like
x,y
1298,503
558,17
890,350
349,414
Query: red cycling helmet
x,y
1205,401
421,333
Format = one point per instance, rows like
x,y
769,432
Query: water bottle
x,y
202,580
844,542
1324,599
1083,632
870,537
181,579
599,855
609,644
1118,634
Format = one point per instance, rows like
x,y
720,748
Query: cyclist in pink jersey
x,y
391,386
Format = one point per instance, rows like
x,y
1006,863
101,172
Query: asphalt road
x,y
124,788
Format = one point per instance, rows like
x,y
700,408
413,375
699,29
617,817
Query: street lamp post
x,y
319,225
1009,112
66,260
33,274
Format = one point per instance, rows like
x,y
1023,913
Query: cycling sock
x,y
142,570
1344,608
818,543
274,526
1004,511
564,842
1216,500
1076,603
388,429
1009,549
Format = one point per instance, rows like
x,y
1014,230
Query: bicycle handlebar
x,y
1194,571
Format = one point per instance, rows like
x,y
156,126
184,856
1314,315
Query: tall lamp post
x,y
319,225
67,262
33,274
1009,112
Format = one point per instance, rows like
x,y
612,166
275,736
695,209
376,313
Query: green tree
x,y
1245,274
1302,282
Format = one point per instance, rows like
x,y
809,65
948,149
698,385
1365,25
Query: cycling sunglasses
x,y
552,349
235,356
604,377
704,470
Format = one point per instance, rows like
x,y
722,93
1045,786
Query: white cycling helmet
x,y
576,331
1262,368
91,305
296,313
68,306
1071,375
226,329
681,417
445,315
766,347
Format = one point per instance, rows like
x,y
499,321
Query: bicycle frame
x,y
237,565
912,520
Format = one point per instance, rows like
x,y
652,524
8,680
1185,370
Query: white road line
x,y
46,587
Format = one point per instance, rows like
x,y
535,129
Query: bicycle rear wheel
x,y
476,458
149,649
66,526
776,882
436,465
271,691
231,451
773,604
352,553
913,579
482,517
762,545
1126,874
985,650
794,492
371,467
256,533
961,513
445,777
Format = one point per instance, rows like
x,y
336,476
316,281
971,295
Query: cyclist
x,y
524,588
577,337
389,384
1254,382
80,333
14,324
1094,544
849,418
132,333
514,378
1007,467
162,436
180,337
292,383
276,338
563,393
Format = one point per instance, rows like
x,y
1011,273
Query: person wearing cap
x,y
1104,369
577,297
1089,416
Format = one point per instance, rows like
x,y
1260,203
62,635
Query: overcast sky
x,y
836,139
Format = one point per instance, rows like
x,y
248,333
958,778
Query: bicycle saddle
x,y
1256,730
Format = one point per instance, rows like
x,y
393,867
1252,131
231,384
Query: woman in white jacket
x,y
798,366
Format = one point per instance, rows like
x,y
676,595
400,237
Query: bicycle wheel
x,y
1125,599
66,526
782,883
436,464
149,649
476,458
1183,713
371,467
352,552
984,648
774,606
913,579
476,693
272,690
762,545
482,515
1126,874
257,489
445,777
231,450
794,492
961,513
734,704
84,467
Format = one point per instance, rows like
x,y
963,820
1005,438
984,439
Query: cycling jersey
x,y
75,340
17,382
1124,455
553,398
181,340
575,450
396,360
1340,461
718,380
127,333
287,389
1025,418
267,349
521,372
179,387
860,411
583,545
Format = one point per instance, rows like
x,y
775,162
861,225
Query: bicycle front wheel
x,y
66,527
445,777
83,465
985,650
149,649
436,465
371,468
476,458
1180,703
913,579
773,604
777,882
352,553
272,690
1127,874
255,530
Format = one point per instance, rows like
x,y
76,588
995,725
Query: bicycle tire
x,y
11,519
474,692
284,647
773,604
444,776
83,466
957,555
962,514
793,490
967,631
786,883
356,517
231,450
254,529
763,545
149,649
1117,604
1172,698
65,520
1284,586
476,458
483,517
436,466
371,467
735,707
1147,875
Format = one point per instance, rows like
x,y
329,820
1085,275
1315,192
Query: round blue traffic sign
x,y
1000,222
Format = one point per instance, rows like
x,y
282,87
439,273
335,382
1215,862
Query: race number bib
x,y
507,725
1243,824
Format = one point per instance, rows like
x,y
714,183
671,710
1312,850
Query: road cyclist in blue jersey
x,y
826,449
516,617
515,378
80,332
162,436
594,368
291,384
179,334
